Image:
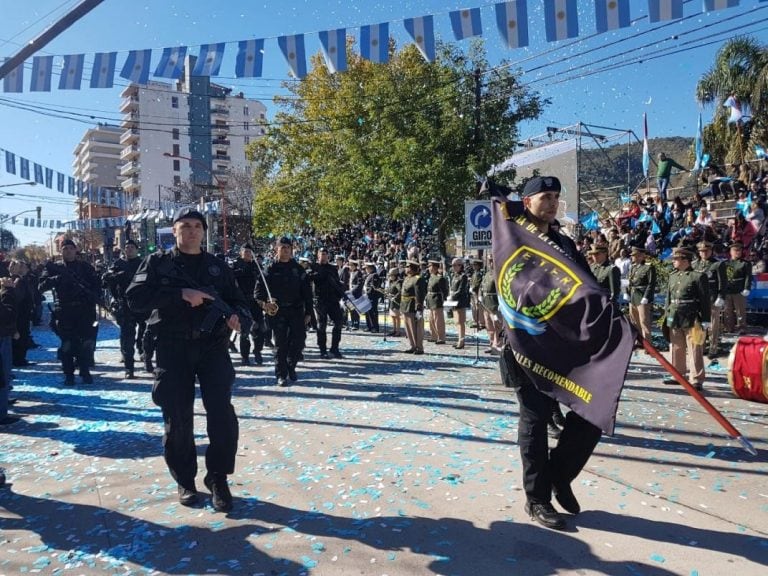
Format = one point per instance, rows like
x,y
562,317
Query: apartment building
x,y
97,163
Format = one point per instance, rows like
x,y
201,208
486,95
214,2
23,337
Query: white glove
x,y
745,293
705,325
644,301
419,316
719,303
495,317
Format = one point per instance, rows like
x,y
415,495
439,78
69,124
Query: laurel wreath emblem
x,y
539,310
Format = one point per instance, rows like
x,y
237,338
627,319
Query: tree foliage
x,y
394,139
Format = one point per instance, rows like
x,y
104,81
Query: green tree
x,y
397,140
740,69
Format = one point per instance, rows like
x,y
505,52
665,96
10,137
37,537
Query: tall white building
x,y
98,162
191,132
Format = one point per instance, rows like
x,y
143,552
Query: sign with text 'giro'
x,y
477,224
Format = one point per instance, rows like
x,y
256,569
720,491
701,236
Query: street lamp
x,y
17,184
222,192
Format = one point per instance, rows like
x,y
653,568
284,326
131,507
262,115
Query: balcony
x,y
129,136
129,104
220,142
220,172
129,168
220,128
131,184
129,152
222,158
219,111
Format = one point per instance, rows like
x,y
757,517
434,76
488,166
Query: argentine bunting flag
x,y
171,62
374,42
14,80
334,44
611,14
512,22
209,60
422,30
292,48
466,23
72,72
103,71
712,5
250,58
662,10
561,19
136,67
42,68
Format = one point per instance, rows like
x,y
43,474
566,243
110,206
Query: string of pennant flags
x,y
561,21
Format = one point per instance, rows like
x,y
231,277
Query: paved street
x,y
380,463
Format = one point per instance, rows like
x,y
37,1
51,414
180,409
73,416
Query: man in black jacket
x,y
328,292
192,297
246,271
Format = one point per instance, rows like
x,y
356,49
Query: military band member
x,y
460,293
687,304
489,300
343,271
739,282
437,292
246,271
327,293
642,289
414,290
393,290
607,275
372,289
714,270
475,280
355,286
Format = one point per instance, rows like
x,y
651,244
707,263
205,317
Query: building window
x,y
262,116
247,140
177,180
245,110
176,165
246,126
174,101
175,133
248,169
176,150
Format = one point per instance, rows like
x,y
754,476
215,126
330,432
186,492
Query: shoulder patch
x,y
140,277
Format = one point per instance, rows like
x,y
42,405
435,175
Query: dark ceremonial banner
x,y
564,331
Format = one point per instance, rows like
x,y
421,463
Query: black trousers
x,y
542,467
372,316
257,332
179,362
290,334
329,311
128,339
75,326
20,345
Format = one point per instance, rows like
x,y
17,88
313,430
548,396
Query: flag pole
x,y
722,420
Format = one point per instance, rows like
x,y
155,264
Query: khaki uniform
x,y
739,278
437,292
642,285
609,278
687,302
714,270
489,299
475,280
412,303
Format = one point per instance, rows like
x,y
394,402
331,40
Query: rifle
x,y
57,270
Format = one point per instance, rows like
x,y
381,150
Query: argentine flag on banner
x,y
42,68
250,58
59,182
374,42
48,178
103,71
136,67
335,49
422,30
38,172
24,168
14,80
292,48
712,5
171,62
10,162
72,72
466,23
561,19
661,10
209,60
611,14
512,22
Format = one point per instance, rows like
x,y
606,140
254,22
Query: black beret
x,y
68,242
189,212
541,184
285,241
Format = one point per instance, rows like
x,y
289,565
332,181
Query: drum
x,y
748,369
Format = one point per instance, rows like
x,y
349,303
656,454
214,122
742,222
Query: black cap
x,y
131,243
189,212
541,184
285,241
68,242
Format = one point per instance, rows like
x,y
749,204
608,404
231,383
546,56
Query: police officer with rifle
x,y
328,291
194,304
247,272
75,288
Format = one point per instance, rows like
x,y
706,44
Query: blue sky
x,y
662,84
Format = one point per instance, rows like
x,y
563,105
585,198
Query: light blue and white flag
x,y
136,67
10,162
561,19
466,23
60,182
374,42
292,48
24,168
70,186
661,10
103,71
14,80
736,113
512,22
759,151
698,145
334,44
712,5
171,62
250,58
209,59
37,170
42,69
422,30
72,72
611,14
48,178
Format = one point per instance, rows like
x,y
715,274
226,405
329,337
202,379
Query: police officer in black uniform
x,y
117,279
246,272
287,300
75,288
193,296
327,293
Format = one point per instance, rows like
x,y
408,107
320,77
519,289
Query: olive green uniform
x,y
714,270
687,303
738,275
412,304
642,288
437,292
609,278
475,281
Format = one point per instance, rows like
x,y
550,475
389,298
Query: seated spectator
x,y
629,213
741,230
756,215
704,218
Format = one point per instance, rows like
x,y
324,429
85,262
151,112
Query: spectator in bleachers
x,y
741,230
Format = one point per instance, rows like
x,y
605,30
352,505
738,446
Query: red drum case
x,y
748,369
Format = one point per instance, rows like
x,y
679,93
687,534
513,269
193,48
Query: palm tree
x,y
740,70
